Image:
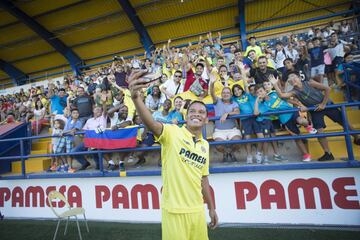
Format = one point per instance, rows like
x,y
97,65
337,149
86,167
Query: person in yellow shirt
x,y
222,80
44,101
122,95
253,46
185,167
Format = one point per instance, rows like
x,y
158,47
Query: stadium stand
x,y
49,106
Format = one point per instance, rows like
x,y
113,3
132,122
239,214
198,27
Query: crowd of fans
x,y
259,79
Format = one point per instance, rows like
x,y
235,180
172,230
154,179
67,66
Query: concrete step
x,y
38,164
353,116
40,146
337,146
42,151
32,165
337,96
44,140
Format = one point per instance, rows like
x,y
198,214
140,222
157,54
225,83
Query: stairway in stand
x,y
38,164
337,145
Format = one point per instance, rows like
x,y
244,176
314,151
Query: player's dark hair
x,y
196,101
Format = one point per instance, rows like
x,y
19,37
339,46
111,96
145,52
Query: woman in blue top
x,y
246,103
175,115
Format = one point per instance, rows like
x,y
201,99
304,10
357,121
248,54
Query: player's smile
x,y
196,115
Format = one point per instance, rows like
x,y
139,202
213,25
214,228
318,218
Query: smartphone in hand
x,y
152,78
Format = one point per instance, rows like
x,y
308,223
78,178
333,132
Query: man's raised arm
x,y
275,83
51,92
136,84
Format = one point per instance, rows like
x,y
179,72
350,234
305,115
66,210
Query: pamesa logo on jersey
x,y
192,158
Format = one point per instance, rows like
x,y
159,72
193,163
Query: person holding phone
x,y
185,179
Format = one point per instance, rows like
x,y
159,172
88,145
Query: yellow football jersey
x,y
184,162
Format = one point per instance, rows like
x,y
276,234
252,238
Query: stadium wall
x,y
300,197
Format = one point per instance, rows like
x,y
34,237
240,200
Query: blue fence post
x,y
242,23
101,166
204,132
346,79
347,136
29,142
23,172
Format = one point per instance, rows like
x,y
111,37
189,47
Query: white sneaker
x,y
249,159
130,159
258,157
266,160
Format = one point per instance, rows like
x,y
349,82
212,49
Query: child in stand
x,y
264,103
301,119
263,128
274,119
66,143
57,128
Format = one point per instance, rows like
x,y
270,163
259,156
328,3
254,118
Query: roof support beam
x,y
242,23
73,59
139,26
46,13
17,75
356,7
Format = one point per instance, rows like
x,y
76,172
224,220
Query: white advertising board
x,y
26,87
326,196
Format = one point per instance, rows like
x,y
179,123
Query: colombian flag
x,y
211,110
121,138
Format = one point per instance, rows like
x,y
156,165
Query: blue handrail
x,y
346,133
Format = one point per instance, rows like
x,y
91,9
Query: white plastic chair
x,y
71,212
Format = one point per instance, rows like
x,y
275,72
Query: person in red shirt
x,y
194,81
6,106
10,118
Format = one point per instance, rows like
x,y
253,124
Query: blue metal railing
x,y
346,133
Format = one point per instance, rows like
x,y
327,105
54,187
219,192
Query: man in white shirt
x,y
336,49
173,86
291,52
97,122
280,54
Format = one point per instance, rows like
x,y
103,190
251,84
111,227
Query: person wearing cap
x,y
173,86
317,60
253,46
195,88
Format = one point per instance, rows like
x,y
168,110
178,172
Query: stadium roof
x,y
95,30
